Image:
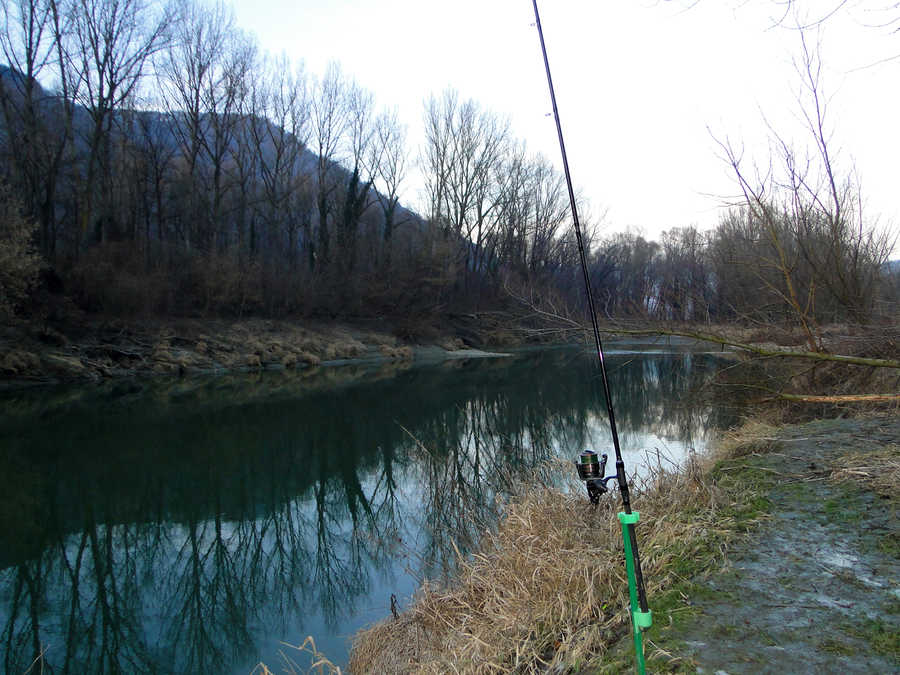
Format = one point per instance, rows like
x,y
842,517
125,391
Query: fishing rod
x,y
589,468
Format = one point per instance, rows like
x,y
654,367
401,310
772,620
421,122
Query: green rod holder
x,y
639,620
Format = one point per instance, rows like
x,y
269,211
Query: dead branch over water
x,y
762,350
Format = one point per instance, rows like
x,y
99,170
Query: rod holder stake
x,y
640,621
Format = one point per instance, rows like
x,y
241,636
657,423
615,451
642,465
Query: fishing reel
x,y
590,470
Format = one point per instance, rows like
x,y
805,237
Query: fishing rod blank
x,y
621,478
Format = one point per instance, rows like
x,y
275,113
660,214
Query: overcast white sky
x,y
640,85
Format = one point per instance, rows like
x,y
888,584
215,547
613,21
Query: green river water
x,y
192,526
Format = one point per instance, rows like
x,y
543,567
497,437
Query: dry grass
x,y
18,361
878,469
547,590
318,662
753,437
397,353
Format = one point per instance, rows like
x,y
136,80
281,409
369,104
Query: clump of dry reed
x,y
878,469
547,589
753,437
319,663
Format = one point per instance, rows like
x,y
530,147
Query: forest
x,y
157,162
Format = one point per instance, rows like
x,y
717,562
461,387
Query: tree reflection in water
x,y
163,527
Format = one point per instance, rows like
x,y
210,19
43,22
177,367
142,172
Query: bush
x,y
19,264
112,278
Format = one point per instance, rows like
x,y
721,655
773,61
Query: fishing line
x,y
621,478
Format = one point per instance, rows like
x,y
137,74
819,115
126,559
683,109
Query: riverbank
x,y
815,587
83,347
93,350
782,545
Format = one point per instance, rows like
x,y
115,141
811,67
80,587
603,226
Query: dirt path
x,y
816,588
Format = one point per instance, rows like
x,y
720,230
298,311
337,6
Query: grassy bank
x,y
814,589
547,589
547,592
109,349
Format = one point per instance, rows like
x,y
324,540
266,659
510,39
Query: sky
x,y
644,87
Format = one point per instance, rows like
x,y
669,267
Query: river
x,y
195,525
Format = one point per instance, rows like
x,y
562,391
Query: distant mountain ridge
x,y
141,127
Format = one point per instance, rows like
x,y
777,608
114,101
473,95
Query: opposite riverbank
x,y
32,354
90,350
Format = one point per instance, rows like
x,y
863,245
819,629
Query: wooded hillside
x,y
158,162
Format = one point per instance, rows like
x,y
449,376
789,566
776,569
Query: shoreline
x,y
32,356
36,355
707,534
825,552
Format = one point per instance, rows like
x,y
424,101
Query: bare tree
x,y
109,50
249,201
434,161
357,187
625,274
330,119
843,249
464,148
280,129
189,69
38,124
684,284
827,255
804,15
156,157
551,213
515,210
223,100
388,157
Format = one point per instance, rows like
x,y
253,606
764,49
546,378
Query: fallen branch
x,y
762,351
715,339
850,398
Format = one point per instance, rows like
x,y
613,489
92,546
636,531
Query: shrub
x,y
19,264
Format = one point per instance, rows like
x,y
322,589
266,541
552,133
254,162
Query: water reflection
x,y
190,526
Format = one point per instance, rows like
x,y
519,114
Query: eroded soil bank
x,y
38,354
816,587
